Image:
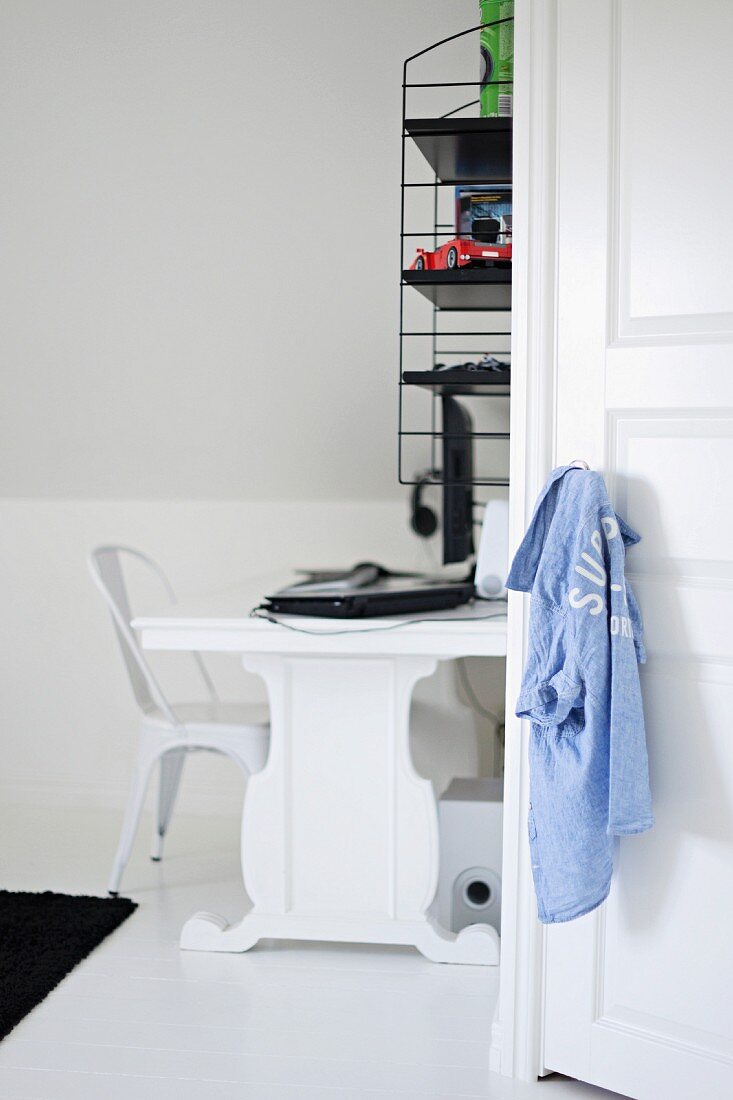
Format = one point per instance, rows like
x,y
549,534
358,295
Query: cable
x,y
473,698
428,549
260,612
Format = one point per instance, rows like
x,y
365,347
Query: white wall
x,y
200,245
198,340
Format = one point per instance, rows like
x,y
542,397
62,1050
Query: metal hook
x,y
580,464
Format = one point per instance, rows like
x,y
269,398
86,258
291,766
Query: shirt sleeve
x,y
608,643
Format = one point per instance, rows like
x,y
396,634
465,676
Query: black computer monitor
x,y
457,481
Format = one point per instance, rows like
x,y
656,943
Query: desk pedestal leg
x,y
339,833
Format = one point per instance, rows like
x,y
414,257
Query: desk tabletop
x,y
224,622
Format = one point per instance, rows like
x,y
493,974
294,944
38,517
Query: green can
x,y
497,59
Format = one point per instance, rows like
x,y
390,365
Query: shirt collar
x,y
527,559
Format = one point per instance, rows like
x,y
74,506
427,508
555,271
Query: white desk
x,y
339,832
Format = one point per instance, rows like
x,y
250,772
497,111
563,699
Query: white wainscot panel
x,y
655,915
675,489
685,617
673,184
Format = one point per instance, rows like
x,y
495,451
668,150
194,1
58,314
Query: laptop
x,y
364,593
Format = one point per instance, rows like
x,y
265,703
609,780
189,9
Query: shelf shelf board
x,y
456,382
464,288
465,150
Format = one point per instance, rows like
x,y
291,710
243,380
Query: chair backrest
x,y
105,565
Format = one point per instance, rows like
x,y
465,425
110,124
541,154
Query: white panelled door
x,y
639,995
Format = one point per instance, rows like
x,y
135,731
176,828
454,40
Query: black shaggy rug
x,y
42,938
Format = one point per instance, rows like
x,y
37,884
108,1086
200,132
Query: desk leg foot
x,y
209,932
478,944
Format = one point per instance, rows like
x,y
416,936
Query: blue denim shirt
x,y
589,778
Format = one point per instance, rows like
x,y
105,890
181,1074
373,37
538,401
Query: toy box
x,y
477,207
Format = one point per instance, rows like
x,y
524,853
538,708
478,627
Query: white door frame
x,y
516,1048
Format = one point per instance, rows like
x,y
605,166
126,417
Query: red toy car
x,y
462,252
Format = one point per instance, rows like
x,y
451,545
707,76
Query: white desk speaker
x,y
492,560
470,815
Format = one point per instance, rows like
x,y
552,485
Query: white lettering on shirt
x,y
576,600
610,526
621,624
597,575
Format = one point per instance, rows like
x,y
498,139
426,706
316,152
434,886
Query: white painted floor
x,y
140,1020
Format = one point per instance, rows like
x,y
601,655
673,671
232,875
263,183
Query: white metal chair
x,y
169,731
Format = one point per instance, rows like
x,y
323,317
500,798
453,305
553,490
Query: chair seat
x,y
221,717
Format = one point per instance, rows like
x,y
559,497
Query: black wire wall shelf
x,y
460,382
459,151
464,288
465,150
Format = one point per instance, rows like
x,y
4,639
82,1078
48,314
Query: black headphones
x,y
423,520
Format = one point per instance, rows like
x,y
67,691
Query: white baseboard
x,y
112,796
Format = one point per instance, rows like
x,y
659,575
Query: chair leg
x,y
143,766
171,767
